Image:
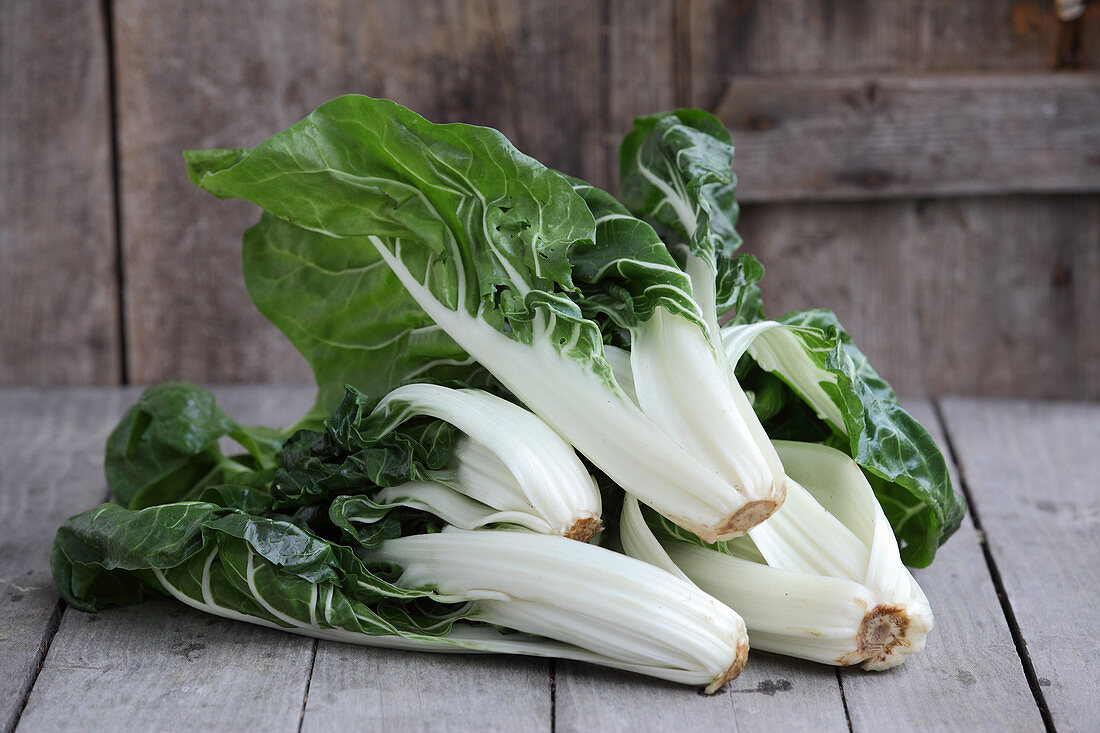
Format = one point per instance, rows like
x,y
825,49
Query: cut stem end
x,y
730,674
584,529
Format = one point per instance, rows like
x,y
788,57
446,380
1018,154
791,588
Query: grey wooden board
x,y
58,290
359,688
157,664
772,693
985,296
1031,470
162,666
51,467
887,136
969,677
824,36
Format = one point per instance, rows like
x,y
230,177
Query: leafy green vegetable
x,y
815,357
481,237
165,448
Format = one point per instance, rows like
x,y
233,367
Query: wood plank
x,y
1031,471
58,290
148,666
772,693
859,137
532,70
969,668
785,37
641,68
981,296
356,688
51,467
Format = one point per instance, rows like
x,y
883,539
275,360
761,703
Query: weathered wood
x,y
139,668
58,290
785,37
51,467
360,688
532,70
982,296
641,67
772,693
160,666
1031,471
969,668
887,136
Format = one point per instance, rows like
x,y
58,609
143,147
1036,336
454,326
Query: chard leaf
x,y
483,228
853,409
627,273
675,171
359,451
346,312
165,448
229,563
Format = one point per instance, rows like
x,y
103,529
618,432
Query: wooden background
x,y
929,169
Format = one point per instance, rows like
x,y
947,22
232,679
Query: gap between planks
x,y
995,574
309,681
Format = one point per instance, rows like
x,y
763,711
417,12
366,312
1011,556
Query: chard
x,y
509,461
675,172
450,591
485,240
822,579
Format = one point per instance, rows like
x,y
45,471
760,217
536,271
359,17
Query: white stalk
x,y
630,614
673,365
596,416
775,348
512,462
456,508
821,580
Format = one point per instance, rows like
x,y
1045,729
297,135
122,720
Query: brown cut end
x,y
584,529
730,674
748,517
881,632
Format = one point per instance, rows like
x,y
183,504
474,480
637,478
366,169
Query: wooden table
x,y
1014,593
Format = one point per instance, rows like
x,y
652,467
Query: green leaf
x,y
165,448
230,563
360,451
675,171
347,313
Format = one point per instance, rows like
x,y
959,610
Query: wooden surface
x,y
859,137
978,294
58,288
1028,469
1031,470
965,100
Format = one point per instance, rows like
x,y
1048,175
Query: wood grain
x,y
1031,471
860,137
359,688
58,291
969,668
749,37
163,666
772,693
641,68
51,467
981,296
